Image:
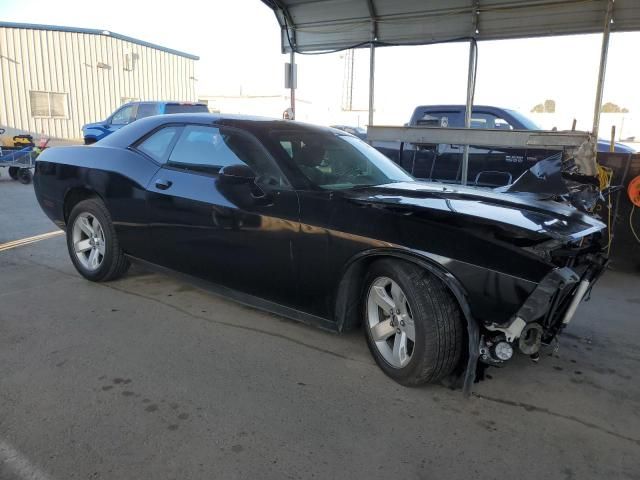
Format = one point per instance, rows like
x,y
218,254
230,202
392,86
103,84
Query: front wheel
x,y
93,244
24,176
13,173
412,323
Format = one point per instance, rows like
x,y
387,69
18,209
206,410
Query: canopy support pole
x,y
294,80
372,71
604,52
471,86
372,57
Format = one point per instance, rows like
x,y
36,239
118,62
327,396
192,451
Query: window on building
x,y
48,104
130,60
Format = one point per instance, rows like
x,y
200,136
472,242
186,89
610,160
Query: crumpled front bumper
x,y
554,301
548,308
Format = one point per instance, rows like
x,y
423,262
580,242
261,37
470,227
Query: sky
x,y
238,42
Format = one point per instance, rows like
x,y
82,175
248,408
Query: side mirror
x,y
236,174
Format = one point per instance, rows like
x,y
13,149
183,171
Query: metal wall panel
x,y
67,62
316,25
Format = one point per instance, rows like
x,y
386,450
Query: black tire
x,y
24,176
13,173
438,323
114,264
89,140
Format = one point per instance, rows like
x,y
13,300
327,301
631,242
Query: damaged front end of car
x,y
551,305
576,252
571,176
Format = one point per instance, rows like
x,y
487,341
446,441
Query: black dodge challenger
x,y
314,224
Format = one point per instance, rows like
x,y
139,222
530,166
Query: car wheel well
x,y
350,290
351,285
75,196
347,307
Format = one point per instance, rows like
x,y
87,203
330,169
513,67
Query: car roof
x,y
459,107
131,133
165,102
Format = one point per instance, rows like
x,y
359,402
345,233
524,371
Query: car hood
x,y
523,213
604,145
94,125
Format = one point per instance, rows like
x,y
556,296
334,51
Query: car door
x,y
436,162
237,235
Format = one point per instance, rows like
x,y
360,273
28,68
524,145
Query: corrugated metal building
x,y
55,79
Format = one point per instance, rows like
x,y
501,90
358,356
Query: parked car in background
x,y
359,132
315,224
488,166
483,116
132,111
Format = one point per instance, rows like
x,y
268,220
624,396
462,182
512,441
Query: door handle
x,y
163,184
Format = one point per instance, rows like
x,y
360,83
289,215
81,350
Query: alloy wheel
x,y
88,241
390,322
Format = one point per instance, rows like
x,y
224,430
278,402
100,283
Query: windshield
x,y
524,120
336,162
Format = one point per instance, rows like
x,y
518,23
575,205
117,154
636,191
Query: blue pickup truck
x,y
488,166
132,111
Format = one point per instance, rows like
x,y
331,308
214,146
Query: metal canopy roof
x,y
317,25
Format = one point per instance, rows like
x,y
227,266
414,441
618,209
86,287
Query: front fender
x,y
96,131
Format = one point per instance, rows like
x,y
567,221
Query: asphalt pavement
x,y
149,377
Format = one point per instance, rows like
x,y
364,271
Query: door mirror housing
x,y
236,174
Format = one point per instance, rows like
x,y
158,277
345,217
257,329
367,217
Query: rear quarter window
x,y
158,145
451,119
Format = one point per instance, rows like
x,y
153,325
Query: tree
x,y
549,106
610,107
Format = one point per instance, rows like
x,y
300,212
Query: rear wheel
x,y
412,323
93,244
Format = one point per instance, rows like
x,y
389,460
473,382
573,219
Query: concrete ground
x,y
151,378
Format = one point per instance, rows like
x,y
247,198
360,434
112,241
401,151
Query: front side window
x,y
158,144
334,162
208,149
124,116
48,104
489,121
526,122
